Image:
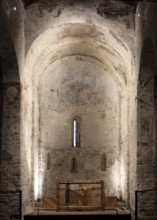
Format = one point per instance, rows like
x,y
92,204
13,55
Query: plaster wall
x,y
76,86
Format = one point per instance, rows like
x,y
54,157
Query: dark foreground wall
x,y
77,217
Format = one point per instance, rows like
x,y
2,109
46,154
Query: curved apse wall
x,y
77,86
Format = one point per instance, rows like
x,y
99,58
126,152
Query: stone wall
x,y
10,146
10,124
146,156
10,151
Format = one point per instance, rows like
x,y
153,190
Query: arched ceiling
x,y
109,9
111,55
46,2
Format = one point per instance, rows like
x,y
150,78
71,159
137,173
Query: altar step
x,y
87,217
80,215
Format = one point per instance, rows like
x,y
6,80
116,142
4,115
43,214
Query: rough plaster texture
x,y
75,86
78,70
81,60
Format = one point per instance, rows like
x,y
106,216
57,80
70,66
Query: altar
x,y
80,195
79,199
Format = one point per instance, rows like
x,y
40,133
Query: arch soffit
x,y
101,44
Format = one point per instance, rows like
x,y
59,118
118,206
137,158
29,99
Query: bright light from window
x,y
74,132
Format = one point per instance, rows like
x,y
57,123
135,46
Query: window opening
x,y
75,133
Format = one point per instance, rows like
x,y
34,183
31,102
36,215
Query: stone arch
x,y
97,48
89,43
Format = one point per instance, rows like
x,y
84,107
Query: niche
x,y
73,165
103,162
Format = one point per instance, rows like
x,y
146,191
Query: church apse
x,y
77,88
78,107
79,75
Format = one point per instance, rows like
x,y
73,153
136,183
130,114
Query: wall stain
x,y
113,10
118,40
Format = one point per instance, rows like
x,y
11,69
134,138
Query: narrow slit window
x,y
75,133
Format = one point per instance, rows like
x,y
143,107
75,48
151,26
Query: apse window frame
x,y
75,132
